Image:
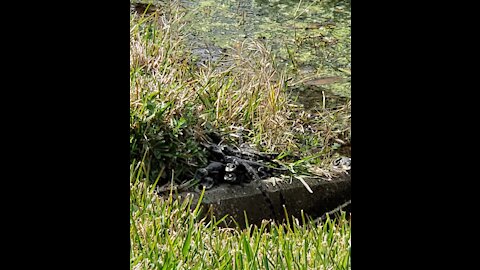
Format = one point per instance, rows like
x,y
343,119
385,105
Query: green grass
x,y
174,102
167,234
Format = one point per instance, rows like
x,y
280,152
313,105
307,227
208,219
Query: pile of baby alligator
x,y
236,165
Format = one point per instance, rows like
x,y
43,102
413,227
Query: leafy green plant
x,y
174,101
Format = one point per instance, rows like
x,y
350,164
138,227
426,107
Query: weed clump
x,y
175,100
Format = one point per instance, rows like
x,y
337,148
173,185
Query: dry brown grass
x,y
173,99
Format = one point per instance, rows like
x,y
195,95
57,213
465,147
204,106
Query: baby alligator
x,y
236,165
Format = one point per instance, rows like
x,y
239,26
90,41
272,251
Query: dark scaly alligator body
x,y
241,165
210,174
237,165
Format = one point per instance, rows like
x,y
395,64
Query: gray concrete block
x,y
233,200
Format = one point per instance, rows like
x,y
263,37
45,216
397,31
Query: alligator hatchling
x,y
236,165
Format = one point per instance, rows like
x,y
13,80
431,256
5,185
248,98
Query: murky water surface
x,y
311,38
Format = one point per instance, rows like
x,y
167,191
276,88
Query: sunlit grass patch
x,y
166,233
174,100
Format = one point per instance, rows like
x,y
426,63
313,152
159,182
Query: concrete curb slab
x,y
234,200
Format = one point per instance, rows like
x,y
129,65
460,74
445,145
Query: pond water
x,y
316,34
310,38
